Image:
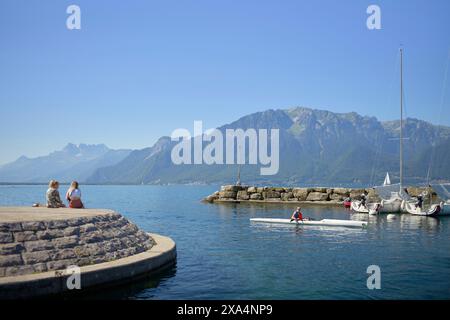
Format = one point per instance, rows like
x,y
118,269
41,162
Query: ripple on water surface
x,y
222,255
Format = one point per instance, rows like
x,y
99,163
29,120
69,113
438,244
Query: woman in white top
x,y
73,195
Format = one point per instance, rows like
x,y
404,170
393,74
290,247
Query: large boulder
x,y
341,191
252,190
300,193
256,196
242,195
227,194
271,194
317,196
231,188
336,197
210,198
320,189
286,196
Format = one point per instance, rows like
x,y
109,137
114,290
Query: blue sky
x,y
137,70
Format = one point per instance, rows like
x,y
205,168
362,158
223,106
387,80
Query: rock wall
x,y
39,246
302,195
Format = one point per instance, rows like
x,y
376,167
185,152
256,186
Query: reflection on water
x,y
405,221
129,290
361,217
409,221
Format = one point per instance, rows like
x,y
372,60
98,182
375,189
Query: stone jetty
x,y
313,195
36,244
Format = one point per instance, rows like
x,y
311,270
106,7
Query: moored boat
x,y
391,201
445,209
370,208
443,192
392,195
357,206
414,209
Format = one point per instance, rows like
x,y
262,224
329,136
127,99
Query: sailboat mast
x,y
401,119
238,182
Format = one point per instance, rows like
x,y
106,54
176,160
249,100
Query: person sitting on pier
x,y
73,195
53,198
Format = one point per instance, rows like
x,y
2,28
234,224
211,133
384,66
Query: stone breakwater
x,y
314,195
42,243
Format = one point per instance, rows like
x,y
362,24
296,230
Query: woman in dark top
x,y
53,198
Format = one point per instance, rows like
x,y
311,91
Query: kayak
x,y
323,222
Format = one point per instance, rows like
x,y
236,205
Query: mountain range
x,y
316,147
73,162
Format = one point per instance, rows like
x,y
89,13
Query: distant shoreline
x,y
104,184
44,184
337,185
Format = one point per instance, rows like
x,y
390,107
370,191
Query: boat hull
x,y
371,208
391,206
411,208
324,222
445,211
357,207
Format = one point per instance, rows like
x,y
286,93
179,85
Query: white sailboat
x,y
443,192
358,206
392,199
387,180
442,189
370,208
392,195
414,209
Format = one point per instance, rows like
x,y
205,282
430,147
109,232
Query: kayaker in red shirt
x,y
297,215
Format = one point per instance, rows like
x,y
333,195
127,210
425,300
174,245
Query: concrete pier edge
x,y
54,282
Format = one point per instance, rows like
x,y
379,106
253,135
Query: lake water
x,y
221,255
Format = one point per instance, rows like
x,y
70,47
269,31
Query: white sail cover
x,y
387,180
388,192
442,190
